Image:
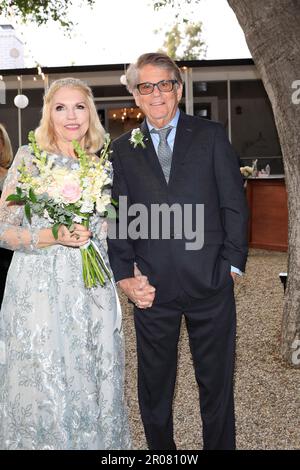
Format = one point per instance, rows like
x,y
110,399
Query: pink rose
x,y
71,191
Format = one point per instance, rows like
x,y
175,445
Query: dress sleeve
x,y
12,235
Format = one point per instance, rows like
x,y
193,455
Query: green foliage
x,y
35,148
28,212
55,230
105,152
195,47
177,5
15,198
183,42
39,203
40,11
32,196
172,41
173,3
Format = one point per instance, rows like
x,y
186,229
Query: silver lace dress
x,y
61,345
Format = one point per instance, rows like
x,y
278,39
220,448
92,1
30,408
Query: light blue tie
x,y
164,151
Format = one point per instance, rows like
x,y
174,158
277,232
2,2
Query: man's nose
x,y
156,90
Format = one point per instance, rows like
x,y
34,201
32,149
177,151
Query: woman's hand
x,y
78,237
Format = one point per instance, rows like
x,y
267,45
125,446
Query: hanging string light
x,y
33,59
21,101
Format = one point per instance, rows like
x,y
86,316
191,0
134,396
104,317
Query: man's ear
x,y
179,91
136,96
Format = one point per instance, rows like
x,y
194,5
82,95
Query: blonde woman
x,y
62,355
5,155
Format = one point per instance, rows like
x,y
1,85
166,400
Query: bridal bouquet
x,y
65,196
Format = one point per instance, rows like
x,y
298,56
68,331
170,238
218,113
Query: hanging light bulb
x,y
123,79
21,101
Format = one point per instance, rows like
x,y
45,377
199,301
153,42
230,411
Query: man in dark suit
x,y
185,161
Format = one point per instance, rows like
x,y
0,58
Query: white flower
x,y
137,138
47,216
85,182
87,207
50,162
102,202
77,219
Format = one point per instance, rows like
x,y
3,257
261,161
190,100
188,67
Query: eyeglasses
x,y
146,88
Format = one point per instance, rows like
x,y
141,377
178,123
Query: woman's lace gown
x,y
61,345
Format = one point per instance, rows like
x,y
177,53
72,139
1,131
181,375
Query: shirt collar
x,y
172,123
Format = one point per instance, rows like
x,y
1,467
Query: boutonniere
x,y
137,138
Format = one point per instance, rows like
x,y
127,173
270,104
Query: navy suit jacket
x,y
204,170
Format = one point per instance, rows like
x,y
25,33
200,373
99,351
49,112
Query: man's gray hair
x,y
158,59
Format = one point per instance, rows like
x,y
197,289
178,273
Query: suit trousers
x,y
211,326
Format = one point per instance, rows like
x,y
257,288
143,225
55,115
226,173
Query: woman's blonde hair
x,y
6,154
45,135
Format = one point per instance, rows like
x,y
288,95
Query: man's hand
x,y
138,290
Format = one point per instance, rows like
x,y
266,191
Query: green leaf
x,y
114,202
55,230
19,191
28,212
14,197
32,196
110,213
31,137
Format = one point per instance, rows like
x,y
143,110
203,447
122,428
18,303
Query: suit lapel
x,y
183,140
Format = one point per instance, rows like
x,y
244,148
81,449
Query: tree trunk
x,y
272,31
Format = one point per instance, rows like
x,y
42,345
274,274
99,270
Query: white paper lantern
x,y
123,80
21,101
14,52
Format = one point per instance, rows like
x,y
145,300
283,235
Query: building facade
x,y
11,50
229,91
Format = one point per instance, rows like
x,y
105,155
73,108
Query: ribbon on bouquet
x,y
118,317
